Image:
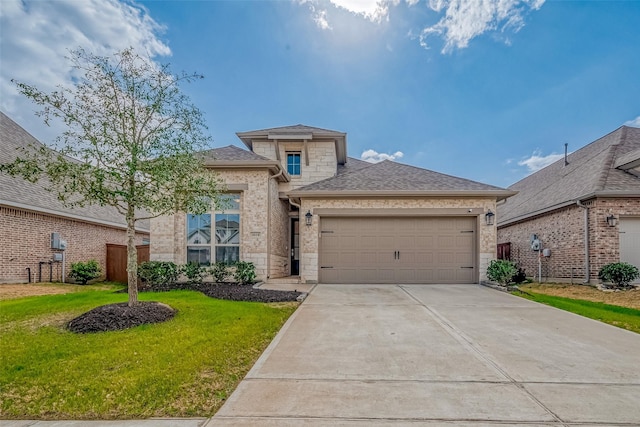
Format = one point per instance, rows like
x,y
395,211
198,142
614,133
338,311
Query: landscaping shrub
x,y
219,271
519,277
621,274
501,271
245,272
158,273
84,271
194,272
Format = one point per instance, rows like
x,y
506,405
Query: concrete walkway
x,y
464,355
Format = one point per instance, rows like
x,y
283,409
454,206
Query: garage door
x,y
398,250
630,241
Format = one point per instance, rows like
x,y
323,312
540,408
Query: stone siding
x,y
26,241
562,231
169,232
310,235
279,225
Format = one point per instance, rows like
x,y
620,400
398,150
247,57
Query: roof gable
x,y
389,177
591,171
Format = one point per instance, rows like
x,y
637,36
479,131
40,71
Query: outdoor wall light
x,y
308,217
612,220
488,217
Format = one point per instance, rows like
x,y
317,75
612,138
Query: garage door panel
x,y
365,250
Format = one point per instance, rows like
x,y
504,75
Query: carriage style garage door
x,y
398,250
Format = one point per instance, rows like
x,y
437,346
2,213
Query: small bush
x,y
158,273
84,271
519,277
621,274
219,271
501,271
245,272
194,272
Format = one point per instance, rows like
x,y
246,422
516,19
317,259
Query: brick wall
x,y
562,231
26,240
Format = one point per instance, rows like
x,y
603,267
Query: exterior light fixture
x,y
612,220
308,217
489,216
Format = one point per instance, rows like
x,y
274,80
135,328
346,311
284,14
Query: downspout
x,y
276,176
586,241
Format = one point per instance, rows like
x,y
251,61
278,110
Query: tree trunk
x,y
132,259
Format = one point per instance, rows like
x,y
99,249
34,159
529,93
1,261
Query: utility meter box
x,y
535,245
546,252
57,257
62,245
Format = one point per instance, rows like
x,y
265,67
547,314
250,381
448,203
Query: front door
x,y
295,247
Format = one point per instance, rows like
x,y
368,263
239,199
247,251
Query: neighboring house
x,y
586,211
296,205
29,215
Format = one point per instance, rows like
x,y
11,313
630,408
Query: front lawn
x,y
622,317
185,367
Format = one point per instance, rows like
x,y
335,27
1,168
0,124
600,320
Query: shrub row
x,y
162,273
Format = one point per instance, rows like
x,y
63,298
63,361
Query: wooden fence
x,y
117,261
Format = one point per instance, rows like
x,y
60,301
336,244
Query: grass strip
x,y
181,368
622,317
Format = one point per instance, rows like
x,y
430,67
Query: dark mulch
x,y
231,291
115,317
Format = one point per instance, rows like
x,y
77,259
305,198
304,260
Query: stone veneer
x,y
322,160
263,226
562,231
310,235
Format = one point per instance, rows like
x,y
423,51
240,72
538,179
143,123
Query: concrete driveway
x,y
464,355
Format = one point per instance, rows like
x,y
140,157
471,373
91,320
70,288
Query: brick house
x,y
585,211
29,215
296,205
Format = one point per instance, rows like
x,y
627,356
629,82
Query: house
x,y
296,205
33,222
585,211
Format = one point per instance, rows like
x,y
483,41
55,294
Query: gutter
x,y
587,277
333,194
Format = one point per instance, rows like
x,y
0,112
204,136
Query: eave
x,y
273,166
324,194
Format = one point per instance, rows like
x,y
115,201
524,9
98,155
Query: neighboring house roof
x,y
236,158
602,168
21,194
389,178
298,132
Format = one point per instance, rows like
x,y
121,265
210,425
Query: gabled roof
x,y
389,178
21,194
597,169
232,157
298,132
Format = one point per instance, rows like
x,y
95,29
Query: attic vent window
x,y
293,163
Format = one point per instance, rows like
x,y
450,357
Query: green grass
x,y
622,317
184,367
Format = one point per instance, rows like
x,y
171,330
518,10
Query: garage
x,y
398,250
630,240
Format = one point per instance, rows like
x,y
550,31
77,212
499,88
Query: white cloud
x,y
373,10
36,37
536,161
465,20
373,156
320,19
635,122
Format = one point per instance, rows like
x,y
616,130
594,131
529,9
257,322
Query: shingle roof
x,y
352,164
293,129
17,192
232,153
388,177
591,170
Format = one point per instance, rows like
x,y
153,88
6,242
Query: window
x,y
224,245
293,163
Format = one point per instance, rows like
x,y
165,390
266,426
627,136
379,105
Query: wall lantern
x,y
612,220
308,217
488,217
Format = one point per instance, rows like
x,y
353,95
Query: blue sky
x,y
486,90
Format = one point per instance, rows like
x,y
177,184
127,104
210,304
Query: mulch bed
x,y
115,317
